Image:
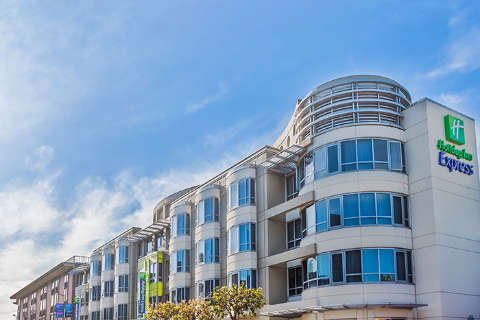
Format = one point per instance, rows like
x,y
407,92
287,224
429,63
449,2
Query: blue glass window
x,y
395,155
365,154
180,261
246,278
367,208
122,253
380,153
242,193
323,266
321,215
370,265
350,210
207,211
180,224
387,268
332,159
349,155
242,237
384,211
335,214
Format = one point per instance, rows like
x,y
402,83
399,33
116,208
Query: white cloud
x,y
463,55
30,214
452,100
40,158
221,92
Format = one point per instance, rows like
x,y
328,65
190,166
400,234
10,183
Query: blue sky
x,y
108,106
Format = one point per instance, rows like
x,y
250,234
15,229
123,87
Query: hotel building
x,y
366,207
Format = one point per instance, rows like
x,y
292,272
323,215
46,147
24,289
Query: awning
x,y
297,312
284,161
149,231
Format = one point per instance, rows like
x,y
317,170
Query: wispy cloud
x,y
40,158
462,55
221,92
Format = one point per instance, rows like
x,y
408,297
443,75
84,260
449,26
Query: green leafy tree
x,y
237,302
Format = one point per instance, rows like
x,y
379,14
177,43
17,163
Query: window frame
x,y
234,199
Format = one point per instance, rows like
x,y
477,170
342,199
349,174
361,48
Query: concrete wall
x,y
445,210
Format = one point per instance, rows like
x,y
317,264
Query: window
x,y
310,273
246,278
358,265
306,170
350,210
295,281
321,219
122,311
384,212
180,224
208,251
323,269
160,245
335,214
108,288
242,193
95,315
149,247
291,186
153,272
351,155
337,267
95,293
367,208
180,261
108,261
242,238
206,287
180,294
207,211
122,253
294,233
123,283
107,314
353,266
65,294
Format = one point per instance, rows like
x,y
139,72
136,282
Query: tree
x,y
163,311
187,310
237,302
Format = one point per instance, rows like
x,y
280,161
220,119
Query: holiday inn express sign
x,y
455,133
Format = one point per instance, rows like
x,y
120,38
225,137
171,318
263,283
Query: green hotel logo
x,y
454,130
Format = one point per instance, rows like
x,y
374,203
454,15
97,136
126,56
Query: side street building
x,y
366,207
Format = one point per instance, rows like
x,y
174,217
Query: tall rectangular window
x,y
380,154
320,161
323,269
351,210
291,186
108,314
123,283
208,251
321,218
401,268
180,224
365,154
122,253
108,287
335,213
387,268
349,155
294,233
122,311
108,261
370,265
337,267
367,208
384,211
353,266
332,158
180,261
395,155
311,219
295,282
397,210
